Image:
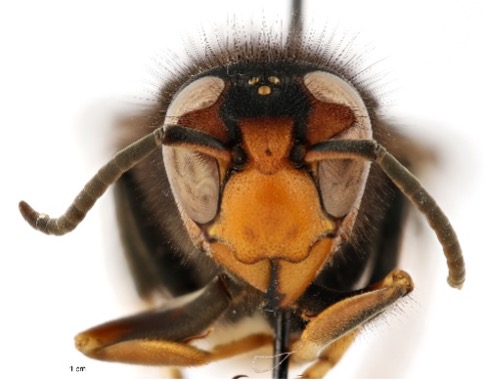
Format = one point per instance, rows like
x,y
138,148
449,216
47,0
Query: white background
x,y
62,60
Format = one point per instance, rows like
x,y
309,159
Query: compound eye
x,y
341,181
194,180
192,174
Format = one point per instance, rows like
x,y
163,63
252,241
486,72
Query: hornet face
x,y
242,135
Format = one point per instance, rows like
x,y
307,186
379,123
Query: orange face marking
x,y
271,211
292,278
267,142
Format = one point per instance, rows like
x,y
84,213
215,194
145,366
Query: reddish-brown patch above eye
x,y
197,106
336,109
207,120
327,120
